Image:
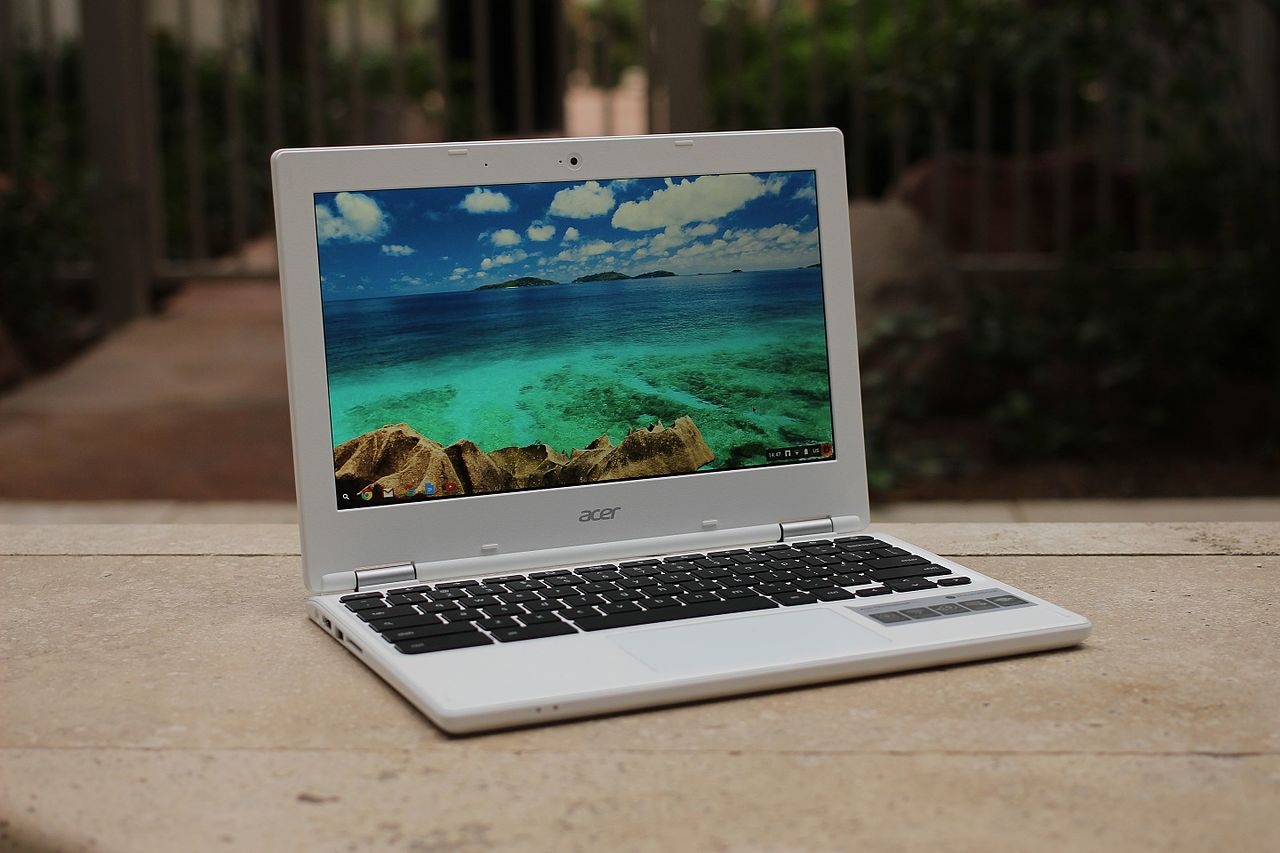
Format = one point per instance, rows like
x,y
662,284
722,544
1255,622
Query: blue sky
x,y
397,242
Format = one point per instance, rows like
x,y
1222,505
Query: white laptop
x,y
577,429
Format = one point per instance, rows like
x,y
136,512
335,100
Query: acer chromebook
x,y
577,428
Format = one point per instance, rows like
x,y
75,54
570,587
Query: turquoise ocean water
x,y
743,354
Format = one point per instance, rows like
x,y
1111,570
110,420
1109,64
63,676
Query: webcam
x,y
573,161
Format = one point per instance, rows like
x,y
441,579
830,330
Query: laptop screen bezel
x,y
336,540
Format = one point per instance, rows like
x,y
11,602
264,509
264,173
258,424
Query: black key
x,y
632,563
598,586
810,574
731,593
822,560
775,588
749,558
448,594
360,596
663,590
408,589
892,552
910,584
584,612
860,556
726,553
604,567
895,562
540,606
607,575
486,590
666,601
776,577
517,597
366,604
927,570
456,584
534,632
443,644
620,607
468,615
958,580
562,592
820,549
765,549
521,586
849,580
1002,600
684,558
637,583
375,614
439,606
622,595
809,584
790,599
833,593
483,601
979,604
675,577
874,590
540,618
777,565
699,586
890,617
504,579
498,622
698,598
668,614
711,574
550,574
713,562
642,571
504,610
411,598
583,601
737,582
401,635
754,569
407,622
920,613
562,580
861,541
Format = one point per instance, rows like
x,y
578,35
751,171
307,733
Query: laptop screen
x,y
486,339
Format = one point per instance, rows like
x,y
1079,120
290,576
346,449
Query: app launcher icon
x,y
366,495
428,488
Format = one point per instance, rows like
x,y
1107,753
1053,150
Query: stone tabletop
x,y
160,688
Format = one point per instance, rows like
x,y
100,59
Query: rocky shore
x,y
398,457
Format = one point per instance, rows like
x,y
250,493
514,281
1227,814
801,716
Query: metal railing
x,y
162,114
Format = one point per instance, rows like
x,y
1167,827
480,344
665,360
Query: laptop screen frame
x,y
335,540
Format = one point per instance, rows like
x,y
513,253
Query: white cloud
x,y
481,200
458,273
504,259
358,219
540,232
504,237
571,234
397,250
807,192
583,201
700,200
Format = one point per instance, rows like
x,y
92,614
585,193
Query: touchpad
x,y
750,642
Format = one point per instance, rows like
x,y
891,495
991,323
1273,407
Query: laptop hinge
x,y
393,573
807,527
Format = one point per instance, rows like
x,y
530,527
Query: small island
x,y
611,275
523,281
731,272
656,274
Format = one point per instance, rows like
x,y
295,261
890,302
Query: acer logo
x,y
605,513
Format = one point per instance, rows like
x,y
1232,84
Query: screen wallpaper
x,y
525,336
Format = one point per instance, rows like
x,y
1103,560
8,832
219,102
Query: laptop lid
x,y
512,350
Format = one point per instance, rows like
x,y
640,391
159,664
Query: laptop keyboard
x,y
512,608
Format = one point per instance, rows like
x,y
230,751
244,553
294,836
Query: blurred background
x,y
1065,224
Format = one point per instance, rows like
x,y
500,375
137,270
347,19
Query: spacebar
x,y
668,614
